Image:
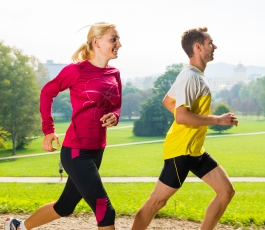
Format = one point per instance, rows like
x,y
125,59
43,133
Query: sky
x,y
150,30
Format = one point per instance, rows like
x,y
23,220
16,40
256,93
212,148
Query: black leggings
x,y
84,182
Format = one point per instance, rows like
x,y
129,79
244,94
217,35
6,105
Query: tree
x,y
131,99
155,120
42,74
3,137
220,109
61,104
19,114
251,97
258,94
130,105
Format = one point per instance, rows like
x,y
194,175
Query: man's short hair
x,y
190,37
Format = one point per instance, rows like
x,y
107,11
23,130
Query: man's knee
x,y
227,193
231,193
157,201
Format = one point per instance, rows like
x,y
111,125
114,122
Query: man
x,y
189,99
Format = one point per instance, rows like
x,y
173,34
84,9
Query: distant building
x,y
220,83
240,72
53,68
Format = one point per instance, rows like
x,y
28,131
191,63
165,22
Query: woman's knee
x,y
62,211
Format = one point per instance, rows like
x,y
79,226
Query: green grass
x,y
189,202
244,126
239,155
118,136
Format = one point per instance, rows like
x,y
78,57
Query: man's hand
x,y
227,119
108,120
47,142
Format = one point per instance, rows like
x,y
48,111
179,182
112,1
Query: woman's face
x,y
108,45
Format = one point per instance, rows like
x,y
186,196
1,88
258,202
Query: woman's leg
x,y
43,215
63,207
55,210
82,166
83,181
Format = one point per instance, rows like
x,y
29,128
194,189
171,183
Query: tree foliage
x,y
131,99
245,98
220,109
19,114
130,105
42,74
3,137
62,104
155,120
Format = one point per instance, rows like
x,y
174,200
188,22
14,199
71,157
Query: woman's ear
x,y
95,42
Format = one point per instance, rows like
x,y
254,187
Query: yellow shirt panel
x,y
188,140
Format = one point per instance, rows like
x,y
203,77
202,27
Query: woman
x,y
95,93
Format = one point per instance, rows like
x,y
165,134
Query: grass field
x,y
125,135
239,155
245,209
241,159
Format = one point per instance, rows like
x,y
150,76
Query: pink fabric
x,y
94,92
101,207
75,153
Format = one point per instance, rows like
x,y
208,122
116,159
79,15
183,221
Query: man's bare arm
x,y
169,103
186,117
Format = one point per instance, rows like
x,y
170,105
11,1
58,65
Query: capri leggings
x,y
84,182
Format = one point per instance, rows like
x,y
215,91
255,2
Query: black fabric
x,y
176,169
83,182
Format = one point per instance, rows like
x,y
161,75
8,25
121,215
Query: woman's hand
x,y
47,142
109,120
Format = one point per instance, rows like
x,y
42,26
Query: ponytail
x,y
83,53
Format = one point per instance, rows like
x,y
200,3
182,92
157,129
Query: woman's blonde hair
x,y
85,51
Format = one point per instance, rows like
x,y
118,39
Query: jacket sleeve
x,y
117,109
64,80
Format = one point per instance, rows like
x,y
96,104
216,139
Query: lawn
x,y
245,209
239,155
123,134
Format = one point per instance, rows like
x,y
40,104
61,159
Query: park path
x,y
118,179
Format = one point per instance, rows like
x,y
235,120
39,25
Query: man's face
x,y
208,49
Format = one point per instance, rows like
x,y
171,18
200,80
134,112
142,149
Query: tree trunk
x,y
14,141
14,146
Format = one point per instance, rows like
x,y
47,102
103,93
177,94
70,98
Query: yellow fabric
x,y
188,140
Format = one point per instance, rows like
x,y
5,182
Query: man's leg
x,y
219,181
156,201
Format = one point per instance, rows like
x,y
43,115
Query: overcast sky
x,y
150,30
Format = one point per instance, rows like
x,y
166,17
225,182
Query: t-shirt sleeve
x,y
184,91
64,80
